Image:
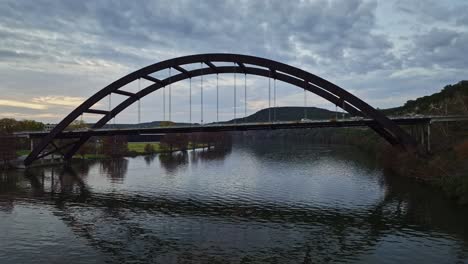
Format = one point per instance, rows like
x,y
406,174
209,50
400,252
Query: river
x,y
265,203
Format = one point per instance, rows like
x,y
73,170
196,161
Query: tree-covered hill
x,y
452,100
289,113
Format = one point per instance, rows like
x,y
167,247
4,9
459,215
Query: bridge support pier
x,y
425,139
428,136
422,134
31,142
423,142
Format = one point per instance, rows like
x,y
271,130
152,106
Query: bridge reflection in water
x,y
146,226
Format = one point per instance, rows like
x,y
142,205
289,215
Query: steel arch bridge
x,y
243,64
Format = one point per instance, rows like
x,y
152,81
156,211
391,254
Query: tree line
x,y
9,126
10,144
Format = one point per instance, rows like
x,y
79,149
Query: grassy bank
x,y
145,148
22,152
139,147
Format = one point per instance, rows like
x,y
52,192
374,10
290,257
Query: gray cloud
x,y
330,31
441,48
89,43
12,55
433,11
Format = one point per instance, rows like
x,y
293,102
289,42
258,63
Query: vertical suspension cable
x,y
343,109
245,96
139,102
336,112
269,96
170,94
81,118
201,90
190,99
110,107
274,99
217,97
164,103
235,93
305,101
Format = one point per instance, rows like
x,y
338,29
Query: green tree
x,y
86,148
166,123
30,125
77,124
10,125
7,148
115,146
176,141
149,148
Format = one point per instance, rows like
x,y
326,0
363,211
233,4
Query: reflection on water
x,y
115,169
173,161
250,204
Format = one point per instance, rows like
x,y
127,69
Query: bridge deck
x,y
227,127
244,126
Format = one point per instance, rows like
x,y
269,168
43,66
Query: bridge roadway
x,y
245,126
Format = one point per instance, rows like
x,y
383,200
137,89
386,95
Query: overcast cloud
x,y
54,54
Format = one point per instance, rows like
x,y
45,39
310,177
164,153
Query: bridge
x,y
424,121
232,127
215,64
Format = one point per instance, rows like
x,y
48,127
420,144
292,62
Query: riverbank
x,y
445,167
148,148
446,171
134,149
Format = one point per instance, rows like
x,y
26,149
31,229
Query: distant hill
x,y
452,100
288,113
142,125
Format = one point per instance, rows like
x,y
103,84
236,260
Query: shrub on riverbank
x,y
115,146
7,149
149,149
447,171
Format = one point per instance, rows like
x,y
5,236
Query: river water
x,y
270,203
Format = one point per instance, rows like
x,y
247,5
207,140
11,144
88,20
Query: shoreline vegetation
x,y
143,149
118,146
446,166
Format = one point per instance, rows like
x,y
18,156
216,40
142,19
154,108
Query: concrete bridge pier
x,y
31,140
422,134
428,136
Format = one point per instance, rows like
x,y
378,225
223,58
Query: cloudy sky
x,y
54,54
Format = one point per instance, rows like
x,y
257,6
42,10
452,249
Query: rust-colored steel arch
x,y
243,64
